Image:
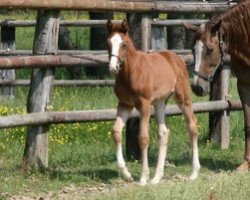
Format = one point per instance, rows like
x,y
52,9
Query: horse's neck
x,y
239,50
241,54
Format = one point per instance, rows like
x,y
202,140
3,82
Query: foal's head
x,y
117,45
207,52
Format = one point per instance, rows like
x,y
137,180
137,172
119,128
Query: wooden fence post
x,y
219,122
45,42
146,33
7,44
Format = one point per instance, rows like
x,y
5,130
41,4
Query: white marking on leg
x,y
121,119
193,132
163,133
196,162
114,64
163,140
198,56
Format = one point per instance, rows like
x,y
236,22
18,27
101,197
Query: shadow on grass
x,y
210,163
103,175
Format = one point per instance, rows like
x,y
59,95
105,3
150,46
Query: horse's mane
x,y
235,27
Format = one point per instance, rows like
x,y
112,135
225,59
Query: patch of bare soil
x,y
66,193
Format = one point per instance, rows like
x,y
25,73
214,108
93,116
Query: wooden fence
x,y
46,57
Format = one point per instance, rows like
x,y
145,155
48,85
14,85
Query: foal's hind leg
x,y
121,118
183,98
163,133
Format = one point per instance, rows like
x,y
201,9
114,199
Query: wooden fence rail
x,y
44,118
8,52
63,83
99,23
65,60
116,5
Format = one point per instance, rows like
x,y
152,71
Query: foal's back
x,y
164,70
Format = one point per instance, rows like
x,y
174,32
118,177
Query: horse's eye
x,y
209,50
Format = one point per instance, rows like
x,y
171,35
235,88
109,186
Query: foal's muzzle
x,y
114,64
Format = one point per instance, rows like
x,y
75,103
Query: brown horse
x,y
229,32
143,80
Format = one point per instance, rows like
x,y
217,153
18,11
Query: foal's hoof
x,y
194,176
243,167
143,182
156,180
129,179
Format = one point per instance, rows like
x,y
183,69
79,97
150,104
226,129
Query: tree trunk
x,y
98,37
7,43
45,42
65,43
175,35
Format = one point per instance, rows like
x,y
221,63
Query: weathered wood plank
x,y
63,83
41,118
219,122
45,42
65,60
114,5
99,23
80,52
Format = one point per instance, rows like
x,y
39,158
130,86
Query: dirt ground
x,y
67,193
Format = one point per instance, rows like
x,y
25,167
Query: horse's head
x,y
207,52
117,45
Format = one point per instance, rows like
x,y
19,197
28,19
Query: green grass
x,y
82,155
82,162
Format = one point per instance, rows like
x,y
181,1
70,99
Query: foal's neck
x,y
131,62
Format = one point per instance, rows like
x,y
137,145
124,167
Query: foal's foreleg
x,y
145,112
122,116
163,134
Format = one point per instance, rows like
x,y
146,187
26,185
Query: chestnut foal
x,y
143,80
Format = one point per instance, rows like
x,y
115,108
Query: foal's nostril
x,y
198,90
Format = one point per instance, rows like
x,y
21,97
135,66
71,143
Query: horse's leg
x,y
183,99
144,108
163,133
244,93
121,118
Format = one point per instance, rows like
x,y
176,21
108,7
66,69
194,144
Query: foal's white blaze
x,y
198,51
114,64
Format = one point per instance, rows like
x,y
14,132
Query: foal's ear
x,y
124,26
190,27
109,26
216,27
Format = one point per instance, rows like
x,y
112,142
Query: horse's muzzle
x,y
199,90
